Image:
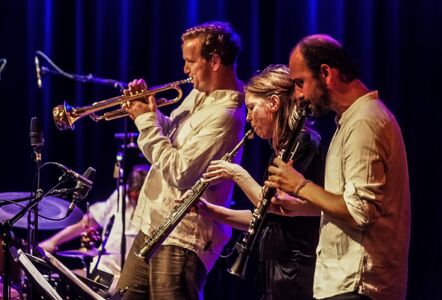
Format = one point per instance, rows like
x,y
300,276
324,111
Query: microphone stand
x,y
122,182
33,222
5,228
102,250
37,142
80,78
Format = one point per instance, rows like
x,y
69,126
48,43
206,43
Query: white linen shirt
x,y
367,164
180,148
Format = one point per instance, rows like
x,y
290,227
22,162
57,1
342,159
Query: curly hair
x,y
216,38
276,80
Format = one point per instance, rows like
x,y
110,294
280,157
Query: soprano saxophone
x,y
245,246
159,234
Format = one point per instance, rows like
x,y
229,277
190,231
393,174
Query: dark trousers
x,y
348,296
172,273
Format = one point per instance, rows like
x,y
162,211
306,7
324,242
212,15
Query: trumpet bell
x,y
62,115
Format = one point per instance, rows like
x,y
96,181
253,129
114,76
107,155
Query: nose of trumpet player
x,y
138,106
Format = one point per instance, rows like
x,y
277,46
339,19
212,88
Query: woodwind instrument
x,y
245,246
159,234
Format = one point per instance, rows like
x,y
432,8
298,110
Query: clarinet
x,y
159,234
245,245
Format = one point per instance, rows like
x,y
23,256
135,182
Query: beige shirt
x,y
367,164
180,148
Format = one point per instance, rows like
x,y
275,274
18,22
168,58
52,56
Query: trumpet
x,y
65,115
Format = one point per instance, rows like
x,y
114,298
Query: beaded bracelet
x,y
300,187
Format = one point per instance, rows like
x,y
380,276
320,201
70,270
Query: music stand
x,y
33,274
70,276
94,284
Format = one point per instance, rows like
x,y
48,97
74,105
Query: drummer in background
x,y
99,215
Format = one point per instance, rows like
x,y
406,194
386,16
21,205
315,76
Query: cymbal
x,y
52,207
82,252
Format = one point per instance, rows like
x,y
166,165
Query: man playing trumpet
x,y
208,124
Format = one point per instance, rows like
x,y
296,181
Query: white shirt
x,y
102,212
367,164
180,148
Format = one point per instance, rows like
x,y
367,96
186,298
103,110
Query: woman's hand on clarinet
x,y
285,205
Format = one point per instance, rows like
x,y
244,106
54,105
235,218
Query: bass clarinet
x,y
245,245
159,234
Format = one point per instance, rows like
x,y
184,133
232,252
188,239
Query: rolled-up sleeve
x,y
364,171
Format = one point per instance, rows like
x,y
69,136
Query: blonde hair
x,y
216,38
276,80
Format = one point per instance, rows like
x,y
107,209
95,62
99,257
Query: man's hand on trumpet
x,y
142,105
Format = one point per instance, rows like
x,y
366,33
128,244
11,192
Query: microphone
x,y
3,62
84,179
38,72
82,189
36,134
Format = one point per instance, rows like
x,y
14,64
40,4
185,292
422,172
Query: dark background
x,y
397,45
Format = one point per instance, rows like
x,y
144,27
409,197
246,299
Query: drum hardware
x,y
14,293
82,252
11,252
12,214
86,256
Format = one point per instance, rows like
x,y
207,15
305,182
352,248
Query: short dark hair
x,y
136,177
216,38
323,49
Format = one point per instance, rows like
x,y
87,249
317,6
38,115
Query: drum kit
x,y
24,269
29,272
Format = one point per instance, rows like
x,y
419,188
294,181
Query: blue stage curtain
x,y
397,45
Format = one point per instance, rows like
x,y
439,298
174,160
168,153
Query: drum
x,y
13,293
15,271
